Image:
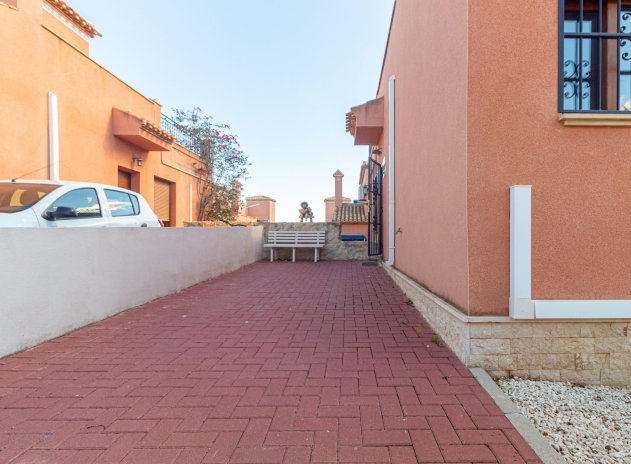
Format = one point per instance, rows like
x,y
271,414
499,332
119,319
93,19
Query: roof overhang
x,y
73,17
365,122
140,132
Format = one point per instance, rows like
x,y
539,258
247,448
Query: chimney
x,y
338,187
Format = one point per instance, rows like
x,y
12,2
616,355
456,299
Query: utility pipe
x,y
53,137
190,202
391,132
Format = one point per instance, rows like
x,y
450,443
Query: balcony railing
x,y
181,138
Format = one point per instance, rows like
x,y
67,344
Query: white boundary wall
x,y
55,281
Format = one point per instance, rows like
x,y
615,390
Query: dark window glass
x,y
84,200
120,203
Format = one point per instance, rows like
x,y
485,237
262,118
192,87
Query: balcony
x,y
183,139
365,122
140,132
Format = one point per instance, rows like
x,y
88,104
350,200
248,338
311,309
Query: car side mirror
x,y
61,212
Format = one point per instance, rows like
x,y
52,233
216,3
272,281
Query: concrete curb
x,y
532,436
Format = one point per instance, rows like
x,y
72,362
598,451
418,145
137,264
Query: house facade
x,y
349,214
66,117
260,207
498,155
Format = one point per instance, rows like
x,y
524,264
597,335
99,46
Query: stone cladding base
x,y
334,248
579,351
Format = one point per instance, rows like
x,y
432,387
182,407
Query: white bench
x,y
295,239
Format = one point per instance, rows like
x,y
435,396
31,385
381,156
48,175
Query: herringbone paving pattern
x,y
275,363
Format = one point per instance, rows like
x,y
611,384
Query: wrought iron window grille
x,y
594,56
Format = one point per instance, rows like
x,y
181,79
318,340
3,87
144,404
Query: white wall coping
x,y
587,309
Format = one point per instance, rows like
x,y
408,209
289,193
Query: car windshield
x,y
16,196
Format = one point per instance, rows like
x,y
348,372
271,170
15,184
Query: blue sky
x,y
281,73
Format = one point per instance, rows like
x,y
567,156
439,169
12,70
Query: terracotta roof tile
x,y
344,199
157,131
354,213
74,17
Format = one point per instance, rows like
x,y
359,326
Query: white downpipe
x,y
53,137
391,132
520,301
190,202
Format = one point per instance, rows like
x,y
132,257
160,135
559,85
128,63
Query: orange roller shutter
x,y
162,199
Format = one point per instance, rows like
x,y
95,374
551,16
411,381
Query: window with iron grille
x,y
594,55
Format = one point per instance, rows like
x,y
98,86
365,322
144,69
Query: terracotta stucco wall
x,y
35,61
354,229
427,53
261,209
580,176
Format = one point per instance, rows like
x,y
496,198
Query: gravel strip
x,y
584,424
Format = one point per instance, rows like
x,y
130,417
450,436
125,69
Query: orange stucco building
x,y
261,207
65,116
505,180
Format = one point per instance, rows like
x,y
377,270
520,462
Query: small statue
x,y
305,212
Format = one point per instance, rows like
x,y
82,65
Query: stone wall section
x,y
334,248
585,352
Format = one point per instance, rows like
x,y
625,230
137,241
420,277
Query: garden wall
x,y
334,248
55,281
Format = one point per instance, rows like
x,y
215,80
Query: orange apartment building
x,y
66,117
500,172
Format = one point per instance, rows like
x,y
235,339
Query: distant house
x,y
261,207
353,221
350,215
500,180
66,117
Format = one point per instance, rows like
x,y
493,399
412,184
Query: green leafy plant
x,y
221,167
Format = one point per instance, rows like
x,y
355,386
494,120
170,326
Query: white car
x,y
41,203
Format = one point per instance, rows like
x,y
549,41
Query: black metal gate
x,y
375,208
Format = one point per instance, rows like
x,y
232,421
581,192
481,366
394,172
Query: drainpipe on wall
x,y
391,130
53,137
520,298
190,202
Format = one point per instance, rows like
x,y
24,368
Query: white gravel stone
x,y
584,424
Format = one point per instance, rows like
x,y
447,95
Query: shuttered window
x,y
162,200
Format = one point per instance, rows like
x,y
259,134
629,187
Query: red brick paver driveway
x,y
275,363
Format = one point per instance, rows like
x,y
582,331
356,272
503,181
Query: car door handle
x,y
144,224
